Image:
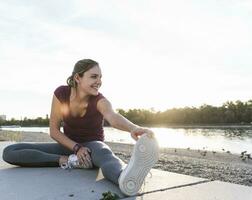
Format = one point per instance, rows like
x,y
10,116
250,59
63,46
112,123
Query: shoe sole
x,y
144,157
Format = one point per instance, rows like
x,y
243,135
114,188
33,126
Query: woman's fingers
x,y
133,135
140,131
89,158
87,154
87,162
81,159
84,158
150,133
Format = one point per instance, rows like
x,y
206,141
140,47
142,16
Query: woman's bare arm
x,y
118,121
55,120
115,120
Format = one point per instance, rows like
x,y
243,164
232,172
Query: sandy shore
x,y
222,166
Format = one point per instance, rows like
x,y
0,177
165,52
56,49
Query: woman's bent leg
x,y
103,157
34,154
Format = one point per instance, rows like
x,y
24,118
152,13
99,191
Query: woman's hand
x,y
84,157
138,131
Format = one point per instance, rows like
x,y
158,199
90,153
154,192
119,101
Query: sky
x,y
155,54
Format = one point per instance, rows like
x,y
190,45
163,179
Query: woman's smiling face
x,y
90,82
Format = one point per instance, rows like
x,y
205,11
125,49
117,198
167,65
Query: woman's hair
x,y
80,68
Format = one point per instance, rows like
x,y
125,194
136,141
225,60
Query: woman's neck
x,y
78,96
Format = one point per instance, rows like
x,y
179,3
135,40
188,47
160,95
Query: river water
x,y
232,139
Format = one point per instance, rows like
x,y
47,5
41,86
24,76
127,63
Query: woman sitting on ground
x,y
81,109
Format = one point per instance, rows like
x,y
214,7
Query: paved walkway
x,y
18,183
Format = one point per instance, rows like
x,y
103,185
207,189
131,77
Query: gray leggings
x,y
48,155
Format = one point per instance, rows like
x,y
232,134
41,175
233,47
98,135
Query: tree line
x,y
230,112
237,112
39,121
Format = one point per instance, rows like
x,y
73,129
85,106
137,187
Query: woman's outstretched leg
x,y
103,157
35,154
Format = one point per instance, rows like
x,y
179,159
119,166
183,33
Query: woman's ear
x,y
77,78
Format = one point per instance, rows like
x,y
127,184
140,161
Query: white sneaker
x,y
145,155
73,162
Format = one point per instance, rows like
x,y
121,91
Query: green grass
x,y
109,196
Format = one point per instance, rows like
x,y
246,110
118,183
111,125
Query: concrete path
x,y
18,183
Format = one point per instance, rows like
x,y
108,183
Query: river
x,y
234,139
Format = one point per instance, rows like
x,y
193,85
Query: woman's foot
x,y
73,162
144,157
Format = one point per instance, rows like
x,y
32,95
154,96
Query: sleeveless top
x,y
81,129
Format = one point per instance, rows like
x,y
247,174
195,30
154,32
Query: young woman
x,y
81,109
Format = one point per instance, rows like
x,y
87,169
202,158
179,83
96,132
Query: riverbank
x,y
222,166
21,136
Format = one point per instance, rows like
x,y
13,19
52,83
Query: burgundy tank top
x,y
81,129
